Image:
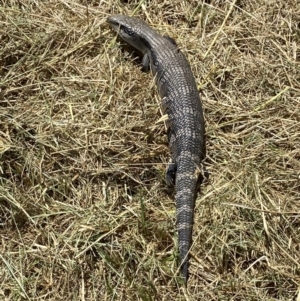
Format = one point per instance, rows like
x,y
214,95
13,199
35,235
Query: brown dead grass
x,y
85,214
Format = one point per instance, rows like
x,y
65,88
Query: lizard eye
x,y
128,31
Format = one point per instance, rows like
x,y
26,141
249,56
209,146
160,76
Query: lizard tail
x,y
186,191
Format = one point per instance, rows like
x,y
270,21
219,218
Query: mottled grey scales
x,y
180,100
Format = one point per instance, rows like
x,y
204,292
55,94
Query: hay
x,y
85,213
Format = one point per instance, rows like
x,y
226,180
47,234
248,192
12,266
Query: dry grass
x,y
85,214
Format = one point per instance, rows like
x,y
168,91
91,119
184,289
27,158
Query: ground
x,y
85,212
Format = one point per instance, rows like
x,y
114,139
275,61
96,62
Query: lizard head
x,y
130,30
